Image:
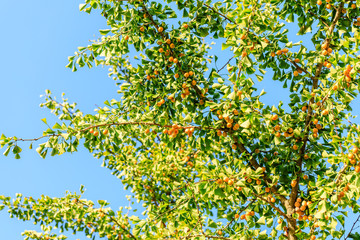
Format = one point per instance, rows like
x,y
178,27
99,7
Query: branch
x,y
109,125
207,236
219,13
252,201
352,227
294,191
255,165
315,15
225,64
273,206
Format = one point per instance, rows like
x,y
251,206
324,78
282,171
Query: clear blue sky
x,y
37,37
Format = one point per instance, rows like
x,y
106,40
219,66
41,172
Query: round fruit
x,y
274,117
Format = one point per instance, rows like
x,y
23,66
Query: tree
x,y
195,143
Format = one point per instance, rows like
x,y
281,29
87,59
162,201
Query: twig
x,y
219,13
352,227
225,64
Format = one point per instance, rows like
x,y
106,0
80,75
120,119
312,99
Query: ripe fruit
x,y
105,132
293,183
313,237
274,117
319,2
172,45
297,60
355,150
91,130
185,25
220,232
96,133
335,87
272,54
237,216
357,169
142,29
325,112
160,29
296,73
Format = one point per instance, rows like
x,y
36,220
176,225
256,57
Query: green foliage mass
x,y
195,144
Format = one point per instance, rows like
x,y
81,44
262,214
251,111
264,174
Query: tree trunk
x,y
290,220
292,229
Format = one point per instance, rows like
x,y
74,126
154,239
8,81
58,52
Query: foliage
x,y
194,143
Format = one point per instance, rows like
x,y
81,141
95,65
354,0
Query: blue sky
x,y
37,38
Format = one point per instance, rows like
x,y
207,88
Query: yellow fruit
x,y
274,117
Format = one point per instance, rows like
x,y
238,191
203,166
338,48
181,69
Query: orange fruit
x,y
274,117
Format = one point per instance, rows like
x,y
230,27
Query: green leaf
x,y
105,31
245,124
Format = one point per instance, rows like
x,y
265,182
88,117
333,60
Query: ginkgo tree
x,y
195,144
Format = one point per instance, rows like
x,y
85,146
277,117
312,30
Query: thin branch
x,y
111,124
313,14
225,64
242,210
352,227
207,236
273,206
219,13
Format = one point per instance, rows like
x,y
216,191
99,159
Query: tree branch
x,y
352,227
219,13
